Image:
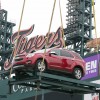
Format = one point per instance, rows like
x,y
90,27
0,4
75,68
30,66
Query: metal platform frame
x,y
57,83
51,82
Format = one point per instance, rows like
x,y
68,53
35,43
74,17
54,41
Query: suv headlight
x,y
30,55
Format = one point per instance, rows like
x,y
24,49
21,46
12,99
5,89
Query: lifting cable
x,y
46,38
62,24
95,24
93,7
14,50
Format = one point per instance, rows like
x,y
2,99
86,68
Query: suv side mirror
x,y
52,53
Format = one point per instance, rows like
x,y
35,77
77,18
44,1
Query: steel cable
x,y
14,50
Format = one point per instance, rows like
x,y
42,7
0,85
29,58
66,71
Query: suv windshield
x,y
77,55
40,51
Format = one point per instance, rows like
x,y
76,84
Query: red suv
x,y
54,59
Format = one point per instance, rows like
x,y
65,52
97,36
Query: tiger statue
x,y
95,43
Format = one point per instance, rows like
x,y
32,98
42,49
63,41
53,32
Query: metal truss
x,y
5,35
79,25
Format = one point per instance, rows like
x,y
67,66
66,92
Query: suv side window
x,y
56,51
66,54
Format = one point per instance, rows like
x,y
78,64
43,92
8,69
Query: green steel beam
x,y
56,82
24,88
67,79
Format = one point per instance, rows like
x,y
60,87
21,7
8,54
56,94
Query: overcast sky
x,y
38,12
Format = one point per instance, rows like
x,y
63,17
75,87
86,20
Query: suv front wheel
x,y
77,73
40,65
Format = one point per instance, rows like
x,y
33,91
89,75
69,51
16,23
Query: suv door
x,y
67,60
54,60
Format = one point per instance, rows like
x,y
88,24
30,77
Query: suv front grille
x,y
19,55
18,59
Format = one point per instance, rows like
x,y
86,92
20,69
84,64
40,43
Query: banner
x,y
92,66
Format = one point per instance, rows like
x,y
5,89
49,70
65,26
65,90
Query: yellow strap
x,y
52,16
62,23
95,23
14,50
50,27
46,38
50,22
